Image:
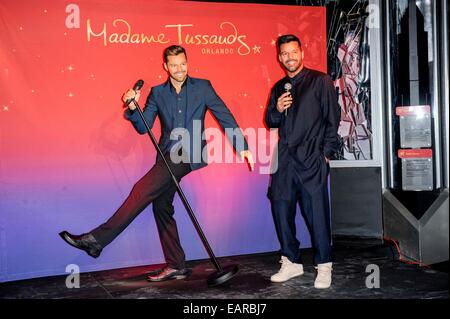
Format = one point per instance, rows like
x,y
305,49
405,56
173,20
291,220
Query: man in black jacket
x,y
303,106
181,103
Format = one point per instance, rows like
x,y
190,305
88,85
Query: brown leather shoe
x,y
169,273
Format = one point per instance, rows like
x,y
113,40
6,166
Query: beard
x,y
292,68
179,78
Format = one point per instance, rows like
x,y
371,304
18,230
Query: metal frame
x,y
389,150
445,90
436,99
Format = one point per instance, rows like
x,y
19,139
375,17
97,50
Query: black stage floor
x,y
352,256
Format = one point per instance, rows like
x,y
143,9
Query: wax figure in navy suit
x,y
308,119
181,103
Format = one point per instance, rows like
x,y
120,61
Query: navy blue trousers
x,y
316,210
155,187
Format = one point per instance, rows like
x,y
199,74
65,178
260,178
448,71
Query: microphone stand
x,y
222,274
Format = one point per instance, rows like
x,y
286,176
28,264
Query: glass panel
x,y
348,64
413,93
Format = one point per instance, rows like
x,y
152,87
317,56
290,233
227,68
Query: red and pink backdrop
x,y
69,158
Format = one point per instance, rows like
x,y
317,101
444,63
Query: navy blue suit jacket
x,y
196,96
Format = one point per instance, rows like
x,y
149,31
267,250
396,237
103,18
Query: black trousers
x,y
156,187
315,208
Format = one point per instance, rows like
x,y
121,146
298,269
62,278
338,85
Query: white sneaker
x,y
288,270
323,279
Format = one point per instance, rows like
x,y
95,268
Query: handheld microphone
x,y
137,86
287,88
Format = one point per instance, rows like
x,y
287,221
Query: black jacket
x,y
307,134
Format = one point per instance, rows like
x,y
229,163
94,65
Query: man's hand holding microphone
x,y
130,95
284,102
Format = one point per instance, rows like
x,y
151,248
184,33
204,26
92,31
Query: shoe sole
x,y
322,287
67,239
176,277
153,273
167,279
296,275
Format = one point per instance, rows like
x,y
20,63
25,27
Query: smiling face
x,y
177,67
291,57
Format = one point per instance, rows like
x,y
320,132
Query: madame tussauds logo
x,y
123,33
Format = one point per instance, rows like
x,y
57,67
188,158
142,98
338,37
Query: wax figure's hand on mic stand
x,y
247,155
284,102
129,96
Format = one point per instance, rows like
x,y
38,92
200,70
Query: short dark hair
x,y
173,50
286,39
